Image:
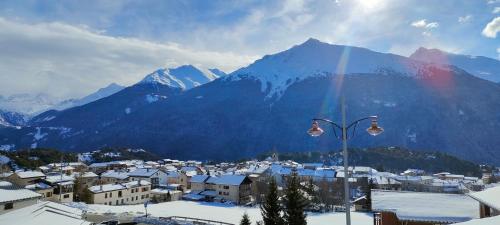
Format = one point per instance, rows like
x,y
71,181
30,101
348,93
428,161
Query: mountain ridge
x,y
233,116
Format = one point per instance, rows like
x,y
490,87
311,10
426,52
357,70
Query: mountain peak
x,y
217,72
183,77
312,41
316,58
479,66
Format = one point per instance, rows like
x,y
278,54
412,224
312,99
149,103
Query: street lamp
x,y
373,130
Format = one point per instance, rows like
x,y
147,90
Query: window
x,y
220,192
116,202
226,187
119,194
136,198
49,194
105,195
110,203
105,203
136,189
147,195
132,190
110,194
8,206
142,196
66,196
122,200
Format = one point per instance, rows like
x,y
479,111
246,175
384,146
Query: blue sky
x,y
80,46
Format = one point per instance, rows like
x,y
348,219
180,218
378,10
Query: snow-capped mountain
x,y
27,104
480,66
315,58
183,77
420,105
101,93
153,88
12,119
30,105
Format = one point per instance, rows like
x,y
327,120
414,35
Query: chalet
x,y
46,191
165,195
24,178
12,197
87,179
421,208
133,192
112,176
155,176
63,187
233,188
176,177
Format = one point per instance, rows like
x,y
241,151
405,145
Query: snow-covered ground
x,y
219,212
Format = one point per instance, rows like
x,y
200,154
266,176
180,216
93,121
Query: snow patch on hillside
x,y
7,147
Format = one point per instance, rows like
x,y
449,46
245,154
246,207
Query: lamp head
x,y
315,130
374,129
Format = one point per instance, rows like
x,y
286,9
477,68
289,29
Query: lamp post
x,y
373,130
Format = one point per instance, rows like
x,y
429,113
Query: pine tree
x,y
294,202
271,209
245,220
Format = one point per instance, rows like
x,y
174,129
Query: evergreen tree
x,y
245,220
271,209
169,196
294,202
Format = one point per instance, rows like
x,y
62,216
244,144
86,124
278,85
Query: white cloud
x,y
492,28
432,25
493,1
496,10
70,61
419,23
464,19
422,24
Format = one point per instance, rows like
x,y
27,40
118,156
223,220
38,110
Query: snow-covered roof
x,y
483,221
106,188
189,168
58,178
193,197
199,178
490,197
29,174
230,179
89,174
115,174
38,186
44,213
101,164
143,172
137,183
9,192
424,206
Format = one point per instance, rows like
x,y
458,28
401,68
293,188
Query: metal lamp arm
x,y
351,125
334,125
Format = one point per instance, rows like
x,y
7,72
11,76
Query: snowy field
x,y
218,212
